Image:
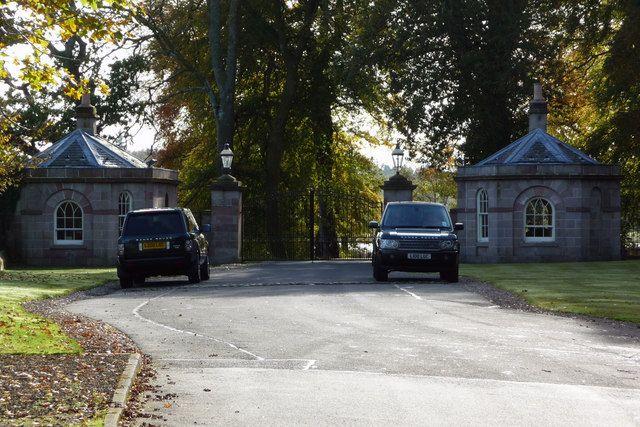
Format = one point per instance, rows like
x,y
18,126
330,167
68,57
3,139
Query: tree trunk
x,y
273,160
322,125
276,142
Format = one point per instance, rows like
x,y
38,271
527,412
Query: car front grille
x,y
419,244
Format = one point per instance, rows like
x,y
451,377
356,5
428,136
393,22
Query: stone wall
x,y
96,191
586,200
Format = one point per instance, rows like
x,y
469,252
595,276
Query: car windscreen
x,y
151,224
416,216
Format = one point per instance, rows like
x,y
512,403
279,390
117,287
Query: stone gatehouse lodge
x,y
538,200
75,196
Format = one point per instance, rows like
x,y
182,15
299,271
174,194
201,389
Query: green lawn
x,y
601,289
24,333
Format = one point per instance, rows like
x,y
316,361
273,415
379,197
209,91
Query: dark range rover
x,y
162,242
416,236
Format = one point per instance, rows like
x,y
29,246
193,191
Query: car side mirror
x,y
374,224
206,228
458,226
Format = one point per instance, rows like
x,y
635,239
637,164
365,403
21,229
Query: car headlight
x,y
388,244
188,245
446,244
120,248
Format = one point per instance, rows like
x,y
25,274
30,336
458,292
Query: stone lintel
x,y
227,182
398,182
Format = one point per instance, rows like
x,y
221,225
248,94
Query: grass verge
x,y
22,332
600,289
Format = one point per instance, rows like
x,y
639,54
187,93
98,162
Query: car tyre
x,y
380,274
204,270
126,282
194,273
450,276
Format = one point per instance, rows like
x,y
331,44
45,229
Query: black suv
x,y
162,242
416,236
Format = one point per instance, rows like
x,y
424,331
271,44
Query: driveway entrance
x,y
320,343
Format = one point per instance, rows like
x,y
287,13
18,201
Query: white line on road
x,y
136,312
409,292
308,363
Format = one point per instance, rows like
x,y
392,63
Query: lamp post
x,y
398,156
397,188
227,158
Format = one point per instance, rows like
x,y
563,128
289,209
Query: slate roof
x,y
80,149
538,147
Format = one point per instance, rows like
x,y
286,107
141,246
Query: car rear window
x,y
151,224
418,216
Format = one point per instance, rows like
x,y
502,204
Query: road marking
x,y
263,364
309,364
408,292
136,312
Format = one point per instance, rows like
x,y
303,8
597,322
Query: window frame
x,y
65,242
539,239
482,214
122,216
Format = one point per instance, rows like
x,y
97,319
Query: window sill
x,y
68,247
552,244
482,244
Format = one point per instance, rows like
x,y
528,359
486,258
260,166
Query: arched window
x,y
539,221
166,200
68,225
482,209
124,206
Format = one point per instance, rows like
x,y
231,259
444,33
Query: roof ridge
x,y
56,149
90,149
117,151
96,152
521,151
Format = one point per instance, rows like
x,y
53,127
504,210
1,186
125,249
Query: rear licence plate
x,y
419,256
154,245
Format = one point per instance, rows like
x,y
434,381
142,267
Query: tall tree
x,y
597,100
461,72
217,80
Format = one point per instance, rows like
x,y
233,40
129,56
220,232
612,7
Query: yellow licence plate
x,y
154,245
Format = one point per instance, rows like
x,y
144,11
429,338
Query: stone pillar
x,y
225,245
397,189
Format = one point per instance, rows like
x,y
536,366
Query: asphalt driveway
x,y
320,343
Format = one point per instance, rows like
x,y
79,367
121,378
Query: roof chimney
x,y
538,110
86,115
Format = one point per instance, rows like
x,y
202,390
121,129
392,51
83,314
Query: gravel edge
x,y
510,300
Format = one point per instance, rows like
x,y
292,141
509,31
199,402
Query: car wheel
x,y
204,270
139,280
380,274
450,276
126,282
194,273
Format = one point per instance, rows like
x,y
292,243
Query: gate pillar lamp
x,y
398,156
227,158
226,155
397,188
